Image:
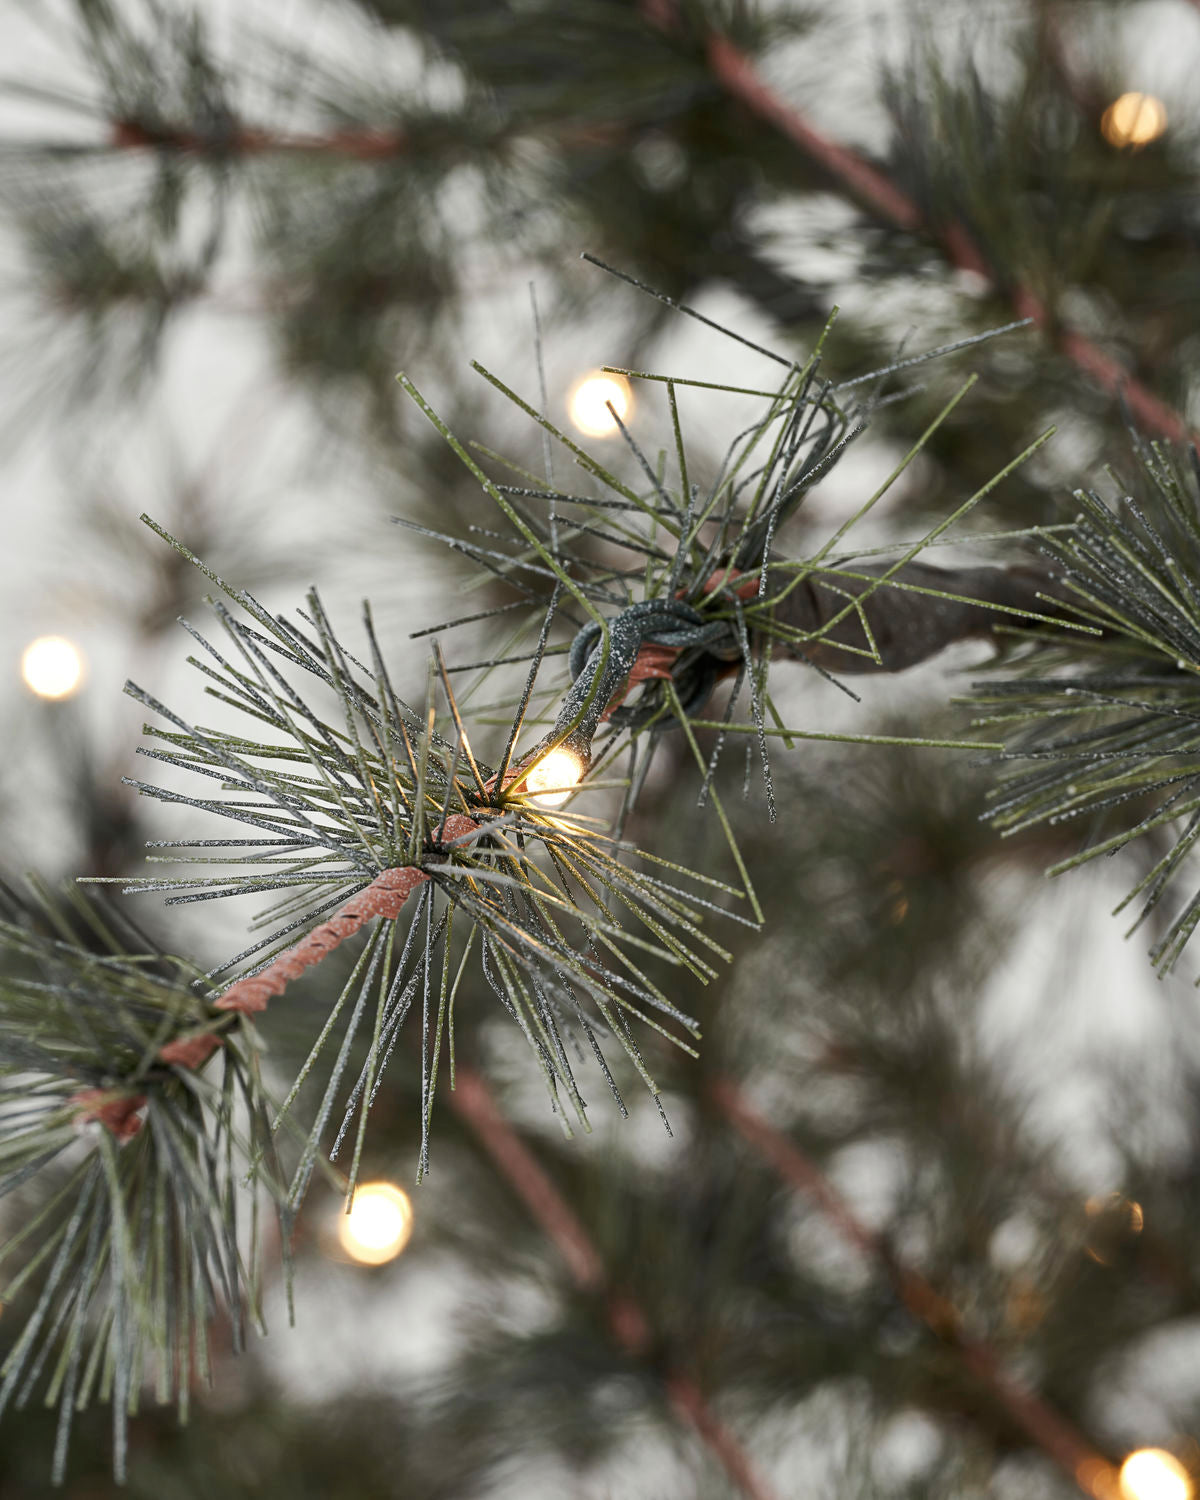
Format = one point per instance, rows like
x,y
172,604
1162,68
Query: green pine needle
x,y
1107,727
713,551
136,1230
331,780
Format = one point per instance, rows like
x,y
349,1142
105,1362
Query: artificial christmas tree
x,y
877,1253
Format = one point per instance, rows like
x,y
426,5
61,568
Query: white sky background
x,y
1074,1003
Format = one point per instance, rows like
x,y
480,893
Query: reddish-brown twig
x,y
246,140
737,74
472,1101
740,78
1052,1433
384,897
190,1052
362,143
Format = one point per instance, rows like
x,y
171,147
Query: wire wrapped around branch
x,y
907,615
341,820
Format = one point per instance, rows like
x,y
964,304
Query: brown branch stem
x,y
1057,1438
384,897
119,1113
473,1102
738,75
363,144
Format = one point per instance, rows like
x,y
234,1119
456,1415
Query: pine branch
x,y
360,812
710,597
384,897
1106,727
473,1102
141,1237
241,140
1046,1428
866,184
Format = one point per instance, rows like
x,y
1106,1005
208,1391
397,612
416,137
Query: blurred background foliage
x,y
926,1225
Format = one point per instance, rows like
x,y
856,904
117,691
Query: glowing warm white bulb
x,y
1113,1221
588,403
379,1224
1133,120
552,780
52,667
1154,1474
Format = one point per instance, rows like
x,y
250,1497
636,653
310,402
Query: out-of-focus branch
x,y
364,143
247,140
472,1101
1058,1439
737,74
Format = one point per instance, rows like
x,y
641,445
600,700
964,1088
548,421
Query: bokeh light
x,y
1154,1474
1133,120
551,781
52,667
588,403
1113,1221
379,1224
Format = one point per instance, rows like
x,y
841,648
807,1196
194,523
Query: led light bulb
x,y
552,780
588,403
52,667
1154,1474
1133,120
379,1224
1112,1222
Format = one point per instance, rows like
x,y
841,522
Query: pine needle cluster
x,y
343,804
144,1232
1102,729
702,591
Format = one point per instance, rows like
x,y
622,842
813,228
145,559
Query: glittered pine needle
x,y
367,813
1105,729
127,1124
702,593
